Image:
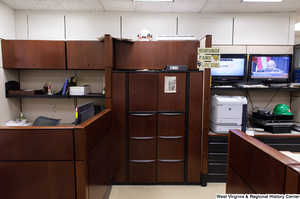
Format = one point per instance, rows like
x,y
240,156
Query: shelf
x,y
91,95
253,89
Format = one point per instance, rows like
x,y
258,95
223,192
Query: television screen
x,y
270,68
232,69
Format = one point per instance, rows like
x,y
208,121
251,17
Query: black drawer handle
x,y
170,137
142,161
142,114
142,138
163,160
171,114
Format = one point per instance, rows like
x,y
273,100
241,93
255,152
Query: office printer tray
x,y
223,128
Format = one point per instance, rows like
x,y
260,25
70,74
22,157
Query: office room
x,y
131,148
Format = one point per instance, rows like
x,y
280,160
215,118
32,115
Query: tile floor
x,y
167,191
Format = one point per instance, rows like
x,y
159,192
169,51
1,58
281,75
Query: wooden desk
x,y
61,162
254,167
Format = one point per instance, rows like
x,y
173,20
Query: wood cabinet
x,y
33,54
85,55
156,127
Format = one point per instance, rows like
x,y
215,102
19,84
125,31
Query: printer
x,y
227,112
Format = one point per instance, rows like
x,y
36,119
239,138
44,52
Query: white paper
x,y
170,84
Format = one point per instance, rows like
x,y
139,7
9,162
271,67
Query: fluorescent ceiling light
x,y
258,1
152,0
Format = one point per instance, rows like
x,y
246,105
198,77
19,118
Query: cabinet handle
x,y
171,114
142,161
142,138
142,114
170,137
163,160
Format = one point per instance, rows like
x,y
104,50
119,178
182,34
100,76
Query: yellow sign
x,y
207,65
208,50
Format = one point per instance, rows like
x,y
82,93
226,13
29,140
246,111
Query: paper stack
x,y
80,90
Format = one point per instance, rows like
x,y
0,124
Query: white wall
x,y
9,107
226,29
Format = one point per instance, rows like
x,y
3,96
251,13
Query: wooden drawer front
x,y
142,148
170,147
142,125
170,170
142,171
142,92
171,124
172,101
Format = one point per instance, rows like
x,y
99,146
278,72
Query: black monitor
x,y
270,68
84,112
233,68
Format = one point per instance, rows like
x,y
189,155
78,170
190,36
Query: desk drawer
x,y
170,147
170,170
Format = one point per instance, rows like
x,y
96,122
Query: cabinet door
x,y
17,53
195,126
85,55
119,126
171,91
33,54
142,92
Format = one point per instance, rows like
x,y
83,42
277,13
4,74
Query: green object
x,y
21,116
282,109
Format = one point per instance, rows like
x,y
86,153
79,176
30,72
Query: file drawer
x,y
142,124
170,147
170,170
171,124
142,148
142,171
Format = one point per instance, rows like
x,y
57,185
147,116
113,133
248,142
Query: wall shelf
x,y
91,95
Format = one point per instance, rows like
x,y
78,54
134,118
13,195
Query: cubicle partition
x,y
60,162
254,167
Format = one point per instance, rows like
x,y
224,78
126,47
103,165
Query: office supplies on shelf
x,y
176,68
65,87
80,90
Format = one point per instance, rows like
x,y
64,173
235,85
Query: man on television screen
x,y
271,67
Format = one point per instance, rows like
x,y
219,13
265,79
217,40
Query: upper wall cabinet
x,y
85,55
155,54
33,54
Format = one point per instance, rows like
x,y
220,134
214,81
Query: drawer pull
x,y
170,137
142,114
163,160
142,161
142,138
171,114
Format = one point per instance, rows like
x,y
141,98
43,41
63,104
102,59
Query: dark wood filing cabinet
x,y
156,127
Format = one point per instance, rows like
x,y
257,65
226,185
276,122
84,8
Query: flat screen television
x,y
233,68
84,112
269,68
